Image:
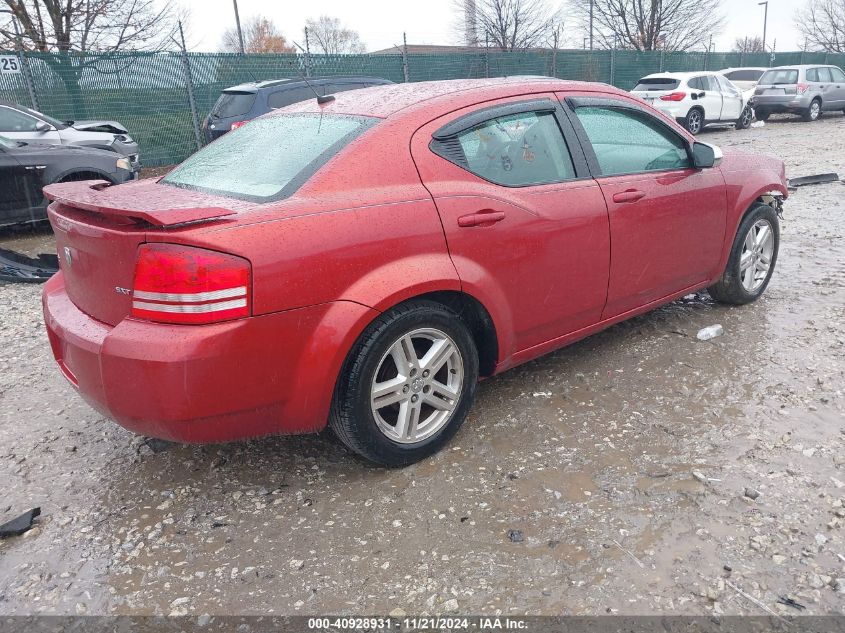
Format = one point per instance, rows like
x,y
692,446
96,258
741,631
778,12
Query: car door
x,y
732,102
828,89
706,93
667,219
838,89
20,126
525,224
20,187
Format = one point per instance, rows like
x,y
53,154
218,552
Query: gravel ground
x,y
640,471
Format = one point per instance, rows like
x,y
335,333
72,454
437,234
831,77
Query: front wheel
x,y
752,259
407,385
744,120
694,121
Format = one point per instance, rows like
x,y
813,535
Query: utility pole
x,y
238,24
591,23
765,6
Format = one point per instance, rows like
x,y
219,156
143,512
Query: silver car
x,y
24,124
807,90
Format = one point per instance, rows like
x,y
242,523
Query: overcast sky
x,y
381,22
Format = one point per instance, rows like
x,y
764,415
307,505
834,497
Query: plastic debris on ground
x,y
17,267
20,524
710,332
815,179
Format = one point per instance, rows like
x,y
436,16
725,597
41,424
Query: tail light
x,y
184,284
238,124
674,96
802,88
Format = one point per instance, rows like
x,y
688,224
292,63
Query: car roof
x,y
802,66
388,100
685,75
254,86
728,70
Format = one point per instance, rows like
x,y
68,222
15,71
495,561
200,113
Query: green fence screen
x,y
150,93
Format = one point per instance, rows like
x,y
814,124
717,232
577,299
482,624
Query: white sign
x,y
9,64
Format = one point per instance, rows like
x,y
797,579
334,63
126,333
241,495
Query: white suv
x,y
696,99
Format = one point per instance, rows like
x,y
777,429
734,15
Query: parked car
x,y
242,103
26,167
807,90
364,262
745,78
696,99
24,124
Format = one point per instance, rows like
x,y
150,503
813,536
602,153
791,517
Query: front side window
x,y
628,141
14,121
268,158
518,150
286,97
727,87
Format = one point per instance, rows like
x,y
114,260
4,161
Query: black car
x,y
27,167
239,104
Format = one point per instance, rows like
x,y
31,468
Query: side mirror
x,y
705,155
43,126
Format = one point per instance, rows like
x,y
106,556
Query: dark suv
x,y
239,104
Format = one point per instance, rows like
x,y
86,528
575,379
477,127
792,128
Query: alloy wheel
x,y
417,386
745,117
815,110
694,121
756,258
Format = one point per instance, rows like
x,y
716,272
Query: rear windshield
x,y
786,76
657,83
233,104
267,158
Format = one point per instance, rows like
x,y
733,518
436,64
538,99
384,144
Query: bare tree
x,y
91,25
260,36
822,22
74,28
749,45
649,25
330,37
509,25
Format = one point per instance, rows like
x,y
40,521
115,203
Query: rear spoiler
x,y
88,197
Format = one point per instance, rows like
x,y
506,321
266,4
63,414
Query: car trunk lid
x,y
652,88
98,230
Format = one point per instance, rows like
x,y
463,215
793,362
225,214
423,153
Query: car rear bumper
x,y
781,103
209,383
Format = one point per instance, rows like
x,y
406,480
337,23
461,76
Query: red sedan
x,y
363,261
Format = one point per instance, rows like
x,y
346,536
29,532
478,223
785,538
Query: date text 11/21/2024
x,y
418,623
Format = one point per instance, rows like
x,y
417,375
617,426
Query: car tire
x,y
752,259
761,114
389,435
694,121
814,112
744,120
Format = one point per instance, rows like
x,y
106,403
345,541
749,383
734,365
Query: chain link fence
x,y
162,98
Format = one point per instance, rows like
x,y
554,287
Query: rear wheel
x,y
744,120
407,385
814,111
752,259
694,121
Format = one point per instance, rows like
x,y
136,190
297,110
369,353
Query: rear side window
x,y
282,98
812,74
268,158
518,150
657,83
231,104
697,83
783,76
629,141
824,75
14,121
744,75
